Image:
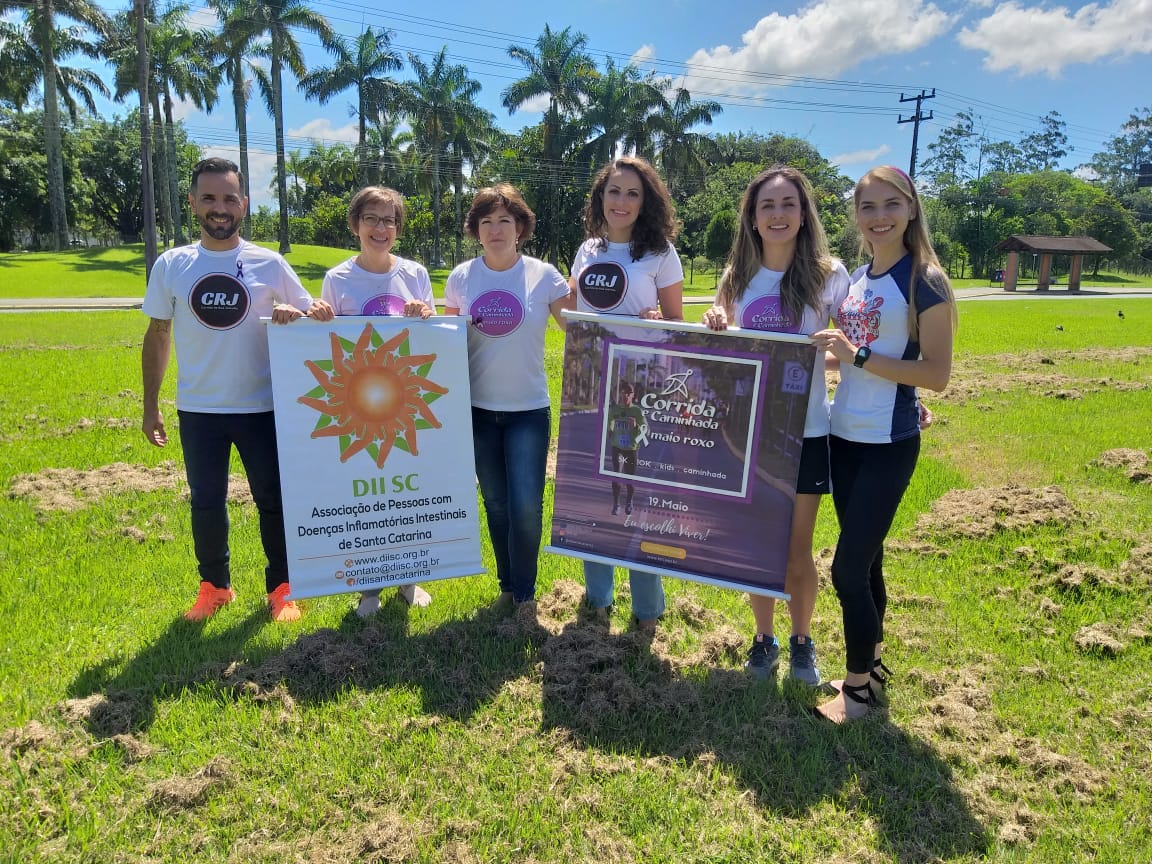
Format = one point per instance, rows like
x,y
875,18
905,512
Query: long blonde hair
x,y
803,281
918,242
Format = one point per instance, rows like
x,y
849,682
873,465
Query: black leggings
x,y
868,481
623,462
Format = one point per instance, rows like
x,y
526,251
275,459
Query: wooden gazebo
x,y
1046,247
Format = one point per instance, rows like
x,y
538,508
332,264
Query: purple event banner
x,y
679,448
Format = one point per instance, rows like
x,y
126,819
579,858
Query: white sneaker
x,y
369,604
414,595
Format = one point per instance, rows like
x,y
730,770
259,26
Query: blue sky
x,y
830,71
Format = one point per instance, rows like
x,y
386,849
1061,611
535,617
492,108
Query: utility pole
x,y
916,118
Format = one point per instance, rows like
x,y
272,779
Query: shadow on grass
x,y
310,272
611,692
457,667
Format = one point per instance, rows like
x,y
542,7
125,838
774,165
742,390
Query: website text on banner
x,y
374,429
679,448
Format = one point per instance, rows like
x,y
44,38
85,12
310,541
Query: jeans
x,y
868,481
511,456
207,442
647,589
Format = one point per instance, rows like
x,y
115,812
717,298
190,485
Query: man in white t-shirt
x,y
209,298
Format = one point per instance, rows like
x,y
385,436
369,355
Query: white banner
x,y
374,429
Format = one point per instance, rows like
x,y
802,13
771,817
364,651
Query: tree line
x,y
424,134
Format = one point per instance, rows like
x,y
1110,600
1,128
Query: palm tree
x,y
561,70
180,65
362,65
236,43
278,19
385,144
684,155
182,59
620,105
50,43
441,91
470,143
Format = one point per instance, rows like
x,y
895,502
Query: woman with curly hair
x,y
627,265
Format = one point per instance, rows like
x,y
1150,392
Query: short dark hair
x,y
376,195
494,197
216,165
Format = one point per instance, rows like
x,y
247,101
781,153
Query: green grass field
x,y
1019,627
119,272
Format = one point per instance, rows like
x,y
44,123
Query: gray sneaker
x,y
802,660
763,657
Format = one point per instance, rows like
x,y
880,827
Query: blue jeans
x,y
207,442
511,457
647,590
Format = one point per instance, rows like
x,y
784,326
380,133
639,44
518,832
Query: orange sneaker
x,y
209,601
281,607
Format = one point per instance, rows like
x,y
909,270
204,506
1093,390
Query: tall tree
x,y
1045,147
182,58
362,64
432,101
279,19
684,155
560,69
236,45
620,104
49,43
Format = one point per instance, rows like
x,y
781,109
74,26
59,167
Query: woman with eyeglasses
x,y
378,282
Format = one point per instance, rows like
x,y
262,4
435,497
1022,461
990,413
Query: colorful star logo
x,y
373,395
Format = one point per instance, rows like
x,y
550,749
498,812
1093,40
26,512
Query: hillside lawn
x,y
1019,629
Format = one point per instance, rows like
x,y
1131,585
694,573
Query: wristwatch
x,y
862,355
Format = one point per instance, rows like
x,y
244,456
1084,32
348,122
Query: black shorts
x,y
814,475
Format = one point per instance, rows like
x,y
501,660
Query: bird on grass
x,y
1120,314
1060,328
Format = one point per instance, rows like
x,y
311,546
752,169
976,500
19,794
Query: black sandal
x,y
880,673
860,693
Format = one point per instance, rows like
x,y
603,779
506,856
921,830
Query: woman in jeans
x,y
509,297
629,225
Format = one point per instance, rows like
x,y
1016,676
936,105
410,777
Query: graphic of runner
x,y
626,429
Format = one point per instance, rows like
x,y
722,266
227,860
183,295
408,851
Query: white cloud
x,y
535,105
203,18
860,157
821,39
1034,39
322,130
261,170
643,55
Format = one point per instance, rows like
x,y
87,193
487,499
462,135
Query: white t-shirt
x,y
215,301
870,409
509,310
761,309
352,290
609,281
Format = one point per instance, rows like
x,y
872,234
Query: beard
x,y
216,230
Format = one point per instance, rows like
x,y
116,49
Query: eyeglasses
x,y
372,220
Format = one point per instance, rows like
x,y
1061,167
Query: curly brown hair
x,y
493,198
656,225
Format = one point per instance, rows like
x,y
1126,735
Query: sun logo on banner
x,y
373,395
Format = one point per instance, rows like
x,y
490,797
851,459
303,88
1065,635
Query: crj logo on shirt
x,y
373,395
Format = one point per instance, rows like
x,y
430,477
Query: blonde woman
x,y
894,335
